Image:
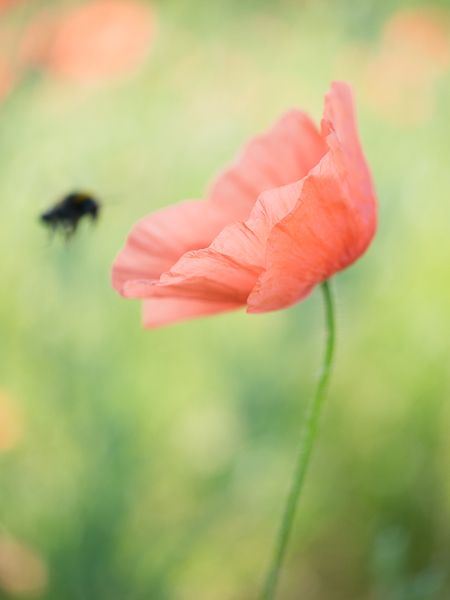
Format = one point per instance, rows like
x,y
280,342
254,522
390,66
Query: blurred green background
x,y
153,464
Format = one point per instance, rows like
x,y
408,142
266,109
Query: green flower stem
x,y
306,445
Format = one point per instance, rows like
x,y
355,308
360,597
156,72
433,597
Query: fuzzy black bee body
x,y
66,214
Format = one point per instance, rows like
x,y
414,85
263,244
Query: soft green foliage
x,y
154,464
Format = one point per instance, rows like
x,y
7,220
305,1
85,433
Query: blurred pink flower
x,y
5,4
7,77
11,423
294,209
414,52
92,41
23,572
422,33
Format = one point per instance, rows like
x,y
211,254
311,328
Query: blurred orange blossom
x,y
296,207
4,4
414,53
7,77
423,34
23,572
91,41
11,425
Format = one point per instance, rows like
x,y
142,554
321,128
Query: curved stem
x,y
306,445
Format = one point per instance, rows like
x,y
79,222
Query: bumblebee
x,y
66,214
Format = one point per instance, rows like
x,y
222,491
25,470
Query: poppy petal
x,y
339,116
157,242
286,153
332,223
228,270
158,312
282,155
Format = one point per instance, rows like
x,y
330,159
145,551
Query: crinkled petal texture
x,y
296,207
333,221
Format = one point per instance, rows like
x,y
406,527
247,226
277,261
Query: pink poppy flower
x,y
296,207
